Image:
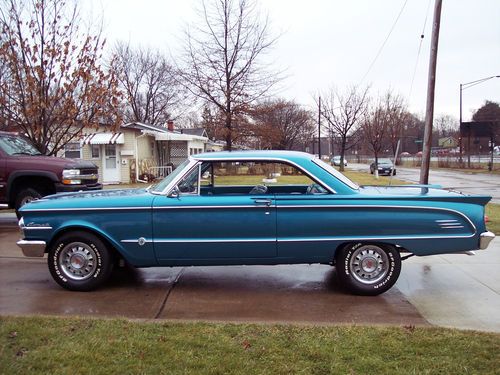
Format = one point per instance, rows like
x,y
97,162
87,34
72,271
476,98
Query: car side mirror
x,y
174,193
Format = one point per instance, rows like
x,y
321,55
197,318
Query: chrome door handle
x,y
267,202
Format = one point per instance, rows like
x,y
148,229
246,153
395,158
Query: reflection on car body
x,y
252,207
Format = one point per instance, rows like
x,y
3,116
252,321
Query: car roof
x,y
257,154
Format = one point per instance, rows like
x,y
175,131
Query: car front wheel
x,y
367,269
25,196
80,261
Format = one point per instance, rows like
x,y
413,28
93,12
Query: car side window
x,y
255,178
189,184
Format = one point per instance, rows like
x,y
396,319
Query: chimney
x,y
170,125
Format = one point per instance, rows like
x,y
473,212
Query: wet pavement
x,y
288,293
452,290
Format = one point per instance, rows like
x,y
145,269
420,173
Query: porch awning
x,y
103,139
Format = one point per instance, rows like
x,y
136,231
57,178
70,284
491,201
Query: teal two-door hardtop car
x,y
252,207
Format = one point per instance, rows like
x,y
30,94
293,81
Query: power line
x,y
385,41
419,49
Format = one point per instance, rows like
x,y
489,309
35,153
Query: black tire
x,y
354,262
24,196
80,261
394,173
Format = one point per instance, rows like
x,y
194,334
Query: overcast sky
x,y
328,43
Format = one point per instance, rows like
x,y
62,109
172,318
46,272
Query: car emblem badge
x,y
141,241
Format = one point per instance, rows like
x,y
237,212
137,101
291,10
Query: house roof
x,y
142,126
195,131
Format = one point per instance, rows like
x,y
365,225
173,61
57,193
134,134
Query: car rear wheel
x,y
80,261
367,269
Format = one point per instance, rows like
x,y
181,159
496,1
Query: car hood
x,y
115,198
424,192
43,161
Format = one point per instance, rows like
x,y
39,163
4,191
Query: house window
x,y
94,149
72,150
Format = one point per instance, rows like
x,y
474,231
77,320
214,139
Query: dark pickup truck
x,y
26,174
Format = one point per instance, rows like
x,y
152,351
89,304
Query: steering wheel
x,y
259,189
314,189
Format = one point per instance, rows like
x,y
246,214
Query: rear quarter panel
x,y
315,227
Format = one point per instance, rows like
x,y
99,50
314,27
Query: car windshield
x,y
335,173
385,161
12,145
160,186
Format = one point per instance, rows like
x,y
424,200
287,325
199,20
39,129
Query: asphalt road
x,y
453,290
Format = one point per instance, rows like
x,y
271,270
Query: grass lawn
x,y
73,345
493,212
362,178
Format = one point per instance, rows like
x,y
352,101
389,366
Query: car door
x,y
226,228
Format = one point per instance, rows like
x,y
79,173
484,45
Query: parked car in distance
x,y
335,160
26,174
385,167
215,209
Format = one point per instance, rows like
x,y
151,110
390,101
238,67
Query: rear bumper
x,y
32,248
485,239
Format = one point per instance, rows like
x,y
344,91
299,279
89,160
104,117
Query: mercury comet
x,y
252,208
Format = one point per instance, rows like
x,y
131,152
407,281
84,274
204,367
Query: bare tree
x,y
397,117
343,113
223,60
375,126
57,86
282,124
446,126
148,81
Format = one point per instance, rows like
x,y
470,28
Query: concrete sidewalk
x,y
456,290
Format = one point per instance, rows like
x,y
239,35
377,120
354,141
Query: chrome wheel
x,y
369,264
26,200
78,261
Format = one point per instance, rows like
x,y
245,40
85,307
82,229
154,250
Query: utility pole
x,y
431,83
319,127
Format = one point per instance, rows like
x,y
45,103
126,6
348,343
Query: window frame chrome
x,y
196,162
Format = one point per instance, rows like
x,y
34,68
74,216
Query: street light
x,y
464,86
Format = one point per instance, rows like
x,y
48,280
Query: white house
x,y
136,151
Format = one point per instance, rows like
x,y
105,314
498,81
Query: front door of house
x,y
110,164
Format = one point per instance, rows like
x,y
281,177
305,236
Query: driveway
x,y
453,290
470,183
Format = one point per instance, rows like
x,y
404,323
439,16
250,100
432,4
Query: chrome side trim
x,y
32,248
485,239
211,207
36,228
86,209
305,239
375,238
210,240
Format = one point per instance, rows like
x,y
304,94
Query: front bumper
x,y
61,188
32,248
485,239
